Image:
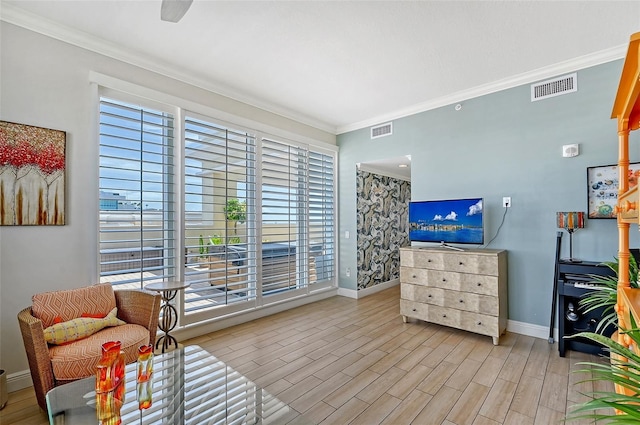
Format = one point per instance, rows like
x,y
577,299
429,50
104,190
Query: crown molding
x,y
529,77
22,18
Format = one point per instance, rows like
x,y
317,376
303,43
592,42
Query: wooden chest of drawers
x,y
462,289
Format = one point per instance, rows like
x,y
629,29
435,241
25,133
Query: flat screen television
x,y
447,221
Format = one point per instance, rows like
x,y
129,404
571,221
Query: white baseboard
x,y
530,329
19,380
514,326
349,293
356,294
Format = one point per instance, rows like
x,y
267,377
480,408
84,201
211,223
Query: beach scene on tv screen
x,y
449,221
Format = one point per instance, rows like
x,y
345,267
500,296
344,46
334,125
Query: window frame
x,y
131,93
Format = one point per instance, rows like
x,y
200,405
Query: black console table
x,y
572,282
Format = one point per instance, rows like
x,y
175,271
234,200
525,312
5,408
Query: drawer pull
x,y
444,315
428,260
479,284
460,263
444,280
414,309
479,323
414,276
461,301
429,296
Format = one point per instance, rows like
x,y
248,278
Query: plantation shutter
x,y
136,186
220,225
321,217
284,217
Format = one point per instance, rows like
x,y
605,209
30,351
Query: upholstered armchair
x,y
58,362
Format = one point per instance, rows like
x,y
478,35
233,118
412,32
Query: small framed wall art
x,y
602,188
32,175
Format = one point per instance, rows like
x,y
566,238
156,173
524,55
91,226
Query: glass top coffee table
x,y
190,386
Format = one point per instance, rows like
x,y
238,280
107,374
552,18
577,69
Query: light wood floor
x,y
345,361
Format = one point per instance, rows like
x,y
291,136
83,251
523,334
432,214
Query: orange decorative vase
x,y
145,362
144,384
110,371
110,384
145,394
109,404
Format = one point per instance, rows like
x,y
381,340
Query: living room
x,y
497,143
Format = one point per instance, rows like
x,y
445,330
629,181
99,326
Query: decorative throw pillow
x,y
79,328
71,303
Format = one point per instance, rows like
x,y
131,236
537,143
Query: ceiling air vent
x,y
555,87
381,130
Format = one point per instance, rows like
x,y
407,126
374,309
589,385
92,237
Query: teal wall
x,y
498,145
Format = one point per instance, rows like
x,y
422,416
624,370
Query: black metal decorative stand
x,y
169,314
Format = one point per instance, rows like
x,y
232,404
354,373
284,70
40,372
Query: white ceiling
x,y
398,167
341,65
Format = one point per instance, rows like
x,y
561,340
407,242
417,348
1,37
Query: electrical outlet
x,y
348,272
506,201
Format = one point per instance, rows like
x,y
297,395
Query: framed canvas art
x,y
32,175
602,189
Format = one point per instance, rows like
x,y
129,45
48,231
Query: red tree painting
x,y
32,175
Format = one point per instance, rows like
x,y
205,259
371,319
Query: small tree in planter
x,y
236,212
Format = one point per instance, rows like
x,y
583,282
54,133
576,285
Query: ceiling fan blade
x,y
174,10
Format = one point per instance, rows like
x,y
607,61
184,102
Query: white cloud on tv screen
x,y
451,216
475,208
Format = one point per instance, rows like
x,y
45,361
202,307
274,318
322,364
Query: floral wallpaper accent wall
x,y
383,226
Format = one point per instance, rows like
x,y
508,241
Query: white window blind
x,y
220,225
321,217
137,243
284,217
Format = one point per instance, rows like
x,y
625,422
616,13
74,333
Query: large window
x,y
220,230
137,200
246,218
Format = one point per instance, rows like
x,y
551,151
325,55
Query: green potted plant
x,y
605,295
202,248
623,371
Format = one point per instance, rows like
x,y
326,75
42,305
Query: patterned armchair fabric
x,y
53,365
72,303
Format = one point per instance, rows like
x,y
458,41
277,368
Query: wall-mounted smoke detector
x,y
381,130
554,87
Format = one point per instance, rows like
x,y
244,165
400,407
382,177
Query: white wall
x,y
45,82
